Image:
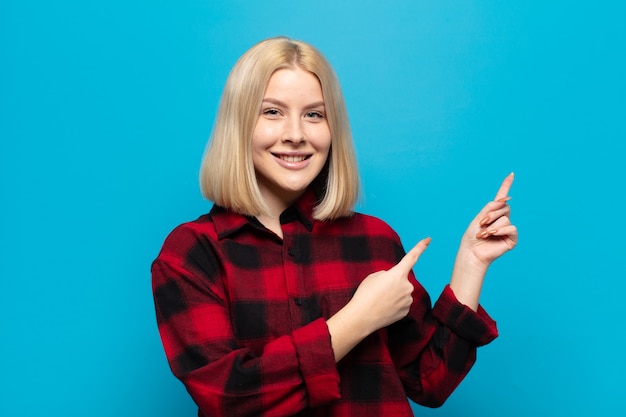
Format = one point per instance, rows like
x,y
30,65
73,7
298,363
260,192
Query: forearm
x,y
346,331
467,279
292,372
434,348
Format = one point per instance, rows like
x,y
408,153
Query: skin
x,y
290,145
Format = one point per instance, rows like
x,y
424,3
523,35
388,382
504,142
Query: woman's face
x,y
291,139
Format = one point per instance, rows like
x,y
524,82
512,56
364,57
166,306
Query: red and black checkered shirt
x,y
242,316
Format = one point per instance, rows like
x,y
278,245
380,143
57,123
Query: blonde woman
x,y
283,301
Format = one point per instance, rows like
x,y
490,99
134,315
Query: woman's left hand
x,y
488,237
491,233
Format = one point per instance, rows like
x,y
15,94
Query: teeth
x,y
292,158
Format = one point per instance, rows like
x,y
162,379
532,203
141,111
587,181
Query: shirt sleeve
x,y
293,371
434,348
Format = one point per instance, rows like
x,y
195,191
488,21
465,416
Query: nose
x,y
294,131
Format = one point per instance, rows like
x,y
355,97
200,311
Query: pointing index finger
x,y
410,259
503,192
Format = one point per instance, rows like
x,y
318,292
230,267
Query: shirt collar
x,y
228,222
302,210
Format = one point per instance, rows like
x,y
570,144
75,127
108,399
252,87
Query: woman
x,y
282,301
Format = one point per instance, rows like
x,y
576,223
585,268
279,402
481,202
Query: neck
x,y
277,203
272,223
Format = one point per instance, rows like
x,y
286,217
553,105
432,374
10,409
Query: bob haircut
x,y
227,175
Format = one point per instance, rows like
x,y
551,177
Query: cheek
x,y
326,150
322,139
263,135
327,144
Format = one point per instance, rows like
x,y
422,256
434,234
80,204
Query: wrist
x,y
467,278
466,261
347,328
360,319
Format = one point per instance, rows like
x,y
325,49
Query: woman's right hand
x,y
385,297
381,299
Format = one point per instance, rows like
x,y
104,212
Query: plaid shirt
x,y
242,316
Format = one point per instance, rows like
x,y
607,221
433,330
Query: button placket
x,y
291,277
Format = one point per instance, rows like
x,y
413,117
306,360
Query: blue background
x,y
105,108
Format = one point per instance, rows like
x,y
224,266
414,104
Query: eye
x,y
271,112
315,115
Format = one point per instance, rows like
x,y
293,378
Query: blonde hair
x,y
227,175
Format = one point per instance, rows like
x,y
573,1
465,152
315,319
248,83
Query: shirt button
x,y
290,252
297,301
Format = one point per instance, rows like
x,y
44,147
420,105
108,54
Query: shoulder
x,y
189,239
188,263
202,227
189,253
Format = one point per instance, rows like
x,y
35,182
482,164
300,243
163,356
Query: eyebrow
x,y
283,104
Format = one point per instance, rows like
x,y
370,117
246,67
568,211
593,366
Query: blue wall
x,y
105,108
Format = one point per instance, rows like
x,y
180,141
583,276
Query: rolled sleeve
x,y
317,362
476,327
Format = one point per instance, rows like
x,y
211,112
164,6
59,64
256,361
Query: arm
x,y
434,349
290,373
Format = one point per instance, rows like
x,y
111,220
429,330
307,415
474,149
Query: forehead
x,y
294,82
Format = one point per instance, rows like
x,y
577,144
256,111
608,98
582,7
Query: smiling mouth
x,y
292,158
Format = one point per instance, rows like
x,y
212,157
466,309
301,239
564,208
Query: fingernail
x,y
503,199
492,232
483,234
484,221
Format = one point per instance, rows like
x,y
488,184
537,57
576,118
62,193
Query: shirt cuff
x,y
474,326
317,362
